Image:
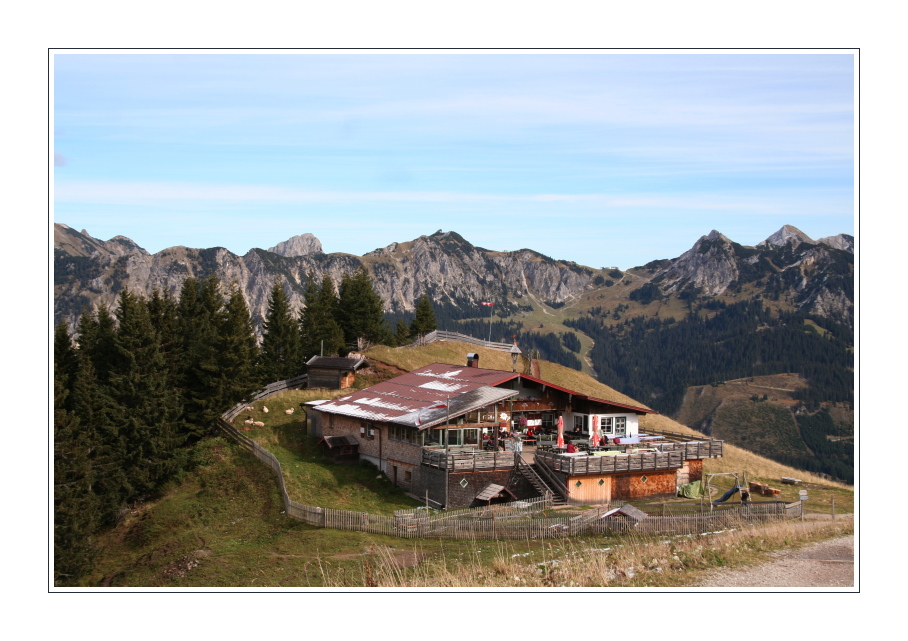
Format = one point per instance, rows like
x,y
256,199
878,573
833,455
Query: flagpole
x,y
490,321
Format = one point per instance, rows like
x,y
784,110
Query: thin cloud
x,y
59,160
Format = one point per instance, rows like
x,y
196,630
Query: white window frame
x,y
622,422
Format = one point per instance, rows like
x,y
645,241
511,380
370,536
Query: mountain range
x,y
788,269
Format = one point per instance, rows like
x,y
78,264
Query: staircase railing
x,y
530,474
552,480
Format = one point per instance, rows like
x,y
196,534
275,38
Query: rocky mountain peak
x,y
788,234
82,243
301,245
709,265
715,235
841,241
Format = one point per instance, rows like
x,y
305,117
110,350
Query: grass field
x,y
308,477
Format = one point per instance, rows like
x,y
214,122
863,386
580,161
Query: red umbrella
x,y
560,443
595,438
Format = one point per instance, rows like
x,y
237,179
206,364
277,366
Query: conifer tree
x,y
66,359
96,411
280,354
360,309
424,321
162,310
75,512
96,340
402,333
201,316
238,351
321,333
147,406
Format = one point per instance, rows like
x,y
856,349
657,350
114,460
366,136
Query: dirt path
x,y
827,564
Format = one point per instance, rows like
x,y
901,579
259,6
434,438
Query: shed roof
x,y
339,441
627,510
492,490
334,362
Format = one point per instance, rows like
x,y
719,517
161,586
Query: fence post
x,y
833,508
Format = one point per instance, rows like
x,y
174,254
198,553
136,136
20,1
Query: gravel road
x,y
827,564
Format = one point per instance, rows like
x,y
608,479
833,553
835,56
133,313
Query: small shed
x,y
494,491
331,372
628,512
341,449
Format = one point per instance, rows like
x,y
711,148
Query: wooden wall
x,y
621,487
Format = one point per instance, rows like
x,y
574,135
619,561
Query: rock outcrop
x,y
301,245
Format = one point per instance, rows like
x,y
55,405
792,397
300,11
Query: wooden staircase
x,y
530,473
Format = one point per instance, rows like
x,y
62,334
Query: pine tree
x,y
201,316
424,321
320,331
279,358
95,410
76,516
360,309
402,333
96,340
147,406
238,351
66,359
164,315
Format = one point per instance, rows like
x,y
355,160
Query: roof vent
x,y
472,360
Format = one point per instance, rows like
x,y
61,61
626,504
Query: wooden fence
x,y
439,335
269,390
516,520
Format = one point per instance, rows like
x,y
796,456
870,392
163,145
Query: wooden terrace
x,y
664,456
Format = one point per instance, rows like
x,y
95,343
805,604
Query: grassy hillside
x,y
756,413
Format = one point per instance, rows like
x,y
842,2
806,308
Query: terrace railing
x,y
469,460
640,462
695,449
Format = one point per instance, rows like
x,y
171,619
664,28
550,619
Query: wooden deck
x,y
670,456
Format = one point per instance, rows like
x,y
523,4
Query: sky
x,y
604,158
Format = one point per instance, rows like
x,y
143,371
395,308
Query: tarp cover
x,y
692,490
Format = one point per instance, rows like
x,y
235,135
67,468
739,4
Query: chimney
x,y
472,360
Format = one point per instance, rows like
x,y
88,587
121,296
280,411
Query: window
x,y
620,425
580,422
605,422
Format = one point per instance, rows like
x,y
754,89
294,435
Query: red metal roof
x,y
423,397
415,398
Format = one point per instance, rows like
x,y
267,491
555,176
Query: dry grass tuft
x,y
628,561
